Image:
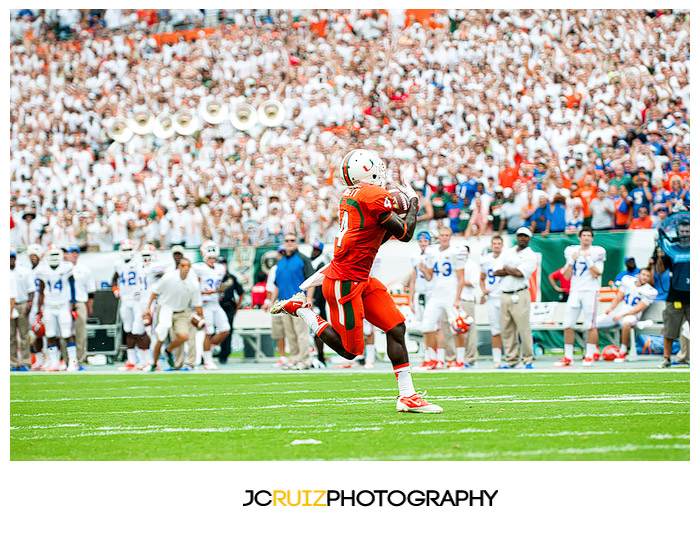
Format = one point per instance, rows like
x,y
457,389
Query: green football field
x,y
642,415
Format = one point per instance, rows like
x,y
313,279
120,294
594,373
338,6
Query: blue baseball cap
x,y
280,249
317,245
423,234
71,249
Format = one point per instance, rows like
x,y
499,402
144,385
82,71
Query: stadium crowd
x,y
502,119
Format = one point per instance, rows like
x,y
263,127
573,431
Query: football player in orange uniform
x,y
367,220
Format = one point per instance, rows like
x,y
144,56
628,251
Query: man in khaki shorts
x,y
176,293
519,263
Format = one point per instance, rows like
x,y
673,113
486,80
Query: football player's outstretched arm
x,y
402,229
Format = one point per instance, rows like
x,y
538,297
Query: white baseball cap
x,y
525,231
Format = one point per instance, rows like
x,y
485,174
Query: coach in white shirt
x,y
519,263
176,293
25,288
85,289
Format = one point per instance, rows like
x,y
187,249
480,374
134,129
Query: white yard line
x,y
571,433
520,453
115,430
477,399
462,431
669,436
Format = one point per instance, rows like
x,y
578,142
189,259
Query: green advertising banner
x,y
617,244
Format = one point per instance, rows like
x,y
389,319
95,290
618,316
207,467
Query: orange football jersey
x,y
361,212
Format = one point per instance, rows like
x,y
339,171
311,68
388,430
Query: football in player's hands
x,y
400,199
197,321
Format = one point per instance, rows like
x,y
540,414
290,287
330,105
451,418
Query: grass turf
x,y
508,416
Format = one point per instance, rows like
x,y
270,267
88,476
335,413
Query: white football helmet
x,y
156,269
35,249
54,256
460,321
361,165
148,253
127,249
209,249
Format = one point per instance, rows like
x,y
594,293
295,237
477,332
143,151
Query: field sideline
x,y
607,415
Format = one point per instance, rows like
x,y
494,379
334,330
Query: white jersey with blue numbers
x,y
146,282
35,276
634,294
423,286
129,275
489,264
582,279
209,279
57,289
445,263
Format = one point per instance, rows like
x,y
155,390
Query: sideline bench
x,y
251,325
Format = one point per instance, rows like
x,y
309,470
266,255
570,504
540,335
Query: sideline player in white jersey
x,y
491,294
419,286
446,271
472,275
126,285
211,274
36,252
635,295
584,265
56,295
147,278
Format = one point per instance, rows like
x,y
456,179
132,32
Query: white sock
x,y
39,357
206,357
315,322
72,353
441,355
430,353
144,356
569,351
131,355
496,355
370,352
591,349
54,355
461,352
623,349
403,377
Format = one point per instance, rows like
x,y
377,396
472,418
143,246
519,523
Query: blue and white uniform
x,y
445,264
633,294
489,264
422,286
58,293
129,281
215,318
584,287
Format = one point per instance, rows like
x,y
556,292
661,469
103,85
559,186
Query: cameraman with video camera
x,y
678,299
